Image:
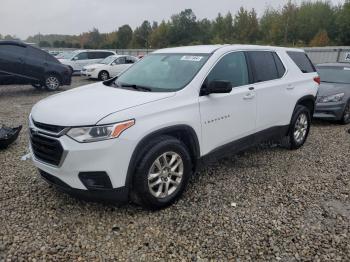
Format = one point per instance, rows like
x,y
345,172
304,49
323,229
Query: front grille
x,y
50,128
46,149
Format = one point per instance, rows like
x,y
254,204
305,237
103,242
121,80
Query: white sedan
x,y
110,67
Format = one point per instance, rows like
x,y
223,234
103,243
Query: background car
x,y
109,67
24,64
333,99
76,60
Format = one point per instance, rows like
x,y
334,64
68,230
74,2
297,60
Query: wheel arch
x,y
307,101
184,133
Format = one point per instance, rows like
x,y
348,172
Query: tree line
x,y
317,23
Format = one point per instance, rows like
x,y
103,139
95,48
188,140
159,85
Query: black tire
x,y
141,191
52,82
300,112
37,86
346,115
103,75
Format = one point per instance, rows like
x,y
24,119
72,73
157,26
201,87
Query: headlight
x,y
98,133
331,98
91,69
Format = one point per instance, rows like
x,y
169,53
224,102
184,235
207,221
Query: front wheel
x,y
103,76
299,127
163,173
346,115
52,82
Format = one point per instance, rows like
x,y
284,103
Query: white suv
x,y
76,60
140,136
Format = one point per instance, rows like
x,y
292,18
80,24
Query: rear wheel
x,y
346,115
103,75
52,82
299,127
162,173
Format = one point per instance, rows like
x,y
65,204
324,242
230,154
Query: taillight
x,y
317,79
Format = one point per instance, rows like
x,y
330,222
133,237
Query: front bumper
x,y
329,111
110,156
117,195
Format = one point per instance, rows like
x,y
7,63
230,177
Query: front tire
x,y
162,173
103,75
299,127
52,82
346,115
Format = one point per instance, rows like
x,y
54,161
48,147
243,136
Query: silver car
x,y
333,98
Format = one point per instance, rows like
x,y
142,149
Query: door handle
x,y
249,96
290,87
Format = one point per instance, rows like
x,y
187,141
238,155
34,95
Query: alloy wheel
x,y
300,128
165,175
52,83
104,76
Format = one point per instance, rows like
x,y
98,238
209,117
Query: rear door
x,y
271,90
35,64
12,59
228,117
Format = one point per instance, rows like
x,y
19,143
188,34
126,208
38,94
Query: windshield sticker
x,y
192,58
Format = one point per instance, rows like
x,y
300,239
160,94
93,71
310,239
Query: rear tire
x,y
52,82
162,173
346,115
299,127
103,75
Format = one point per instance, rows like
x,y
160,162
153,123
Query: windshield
x,y
66,55
340,75
108,60
163,72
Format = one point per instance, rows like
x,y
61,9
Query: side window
x,y
302,61
120,61
232,67
263,65
14,49
280,67
34,53
129,60
82,56
51,59
102,55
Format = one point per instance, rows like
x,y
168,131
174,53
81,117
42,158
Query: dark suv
x,y
24,64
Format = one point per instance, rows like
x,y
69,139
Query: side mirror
x,y
75,58
216,87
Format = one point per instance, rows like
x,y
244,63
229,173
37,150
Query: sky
x,y
28,17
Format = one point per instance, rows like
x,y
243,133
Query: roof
x,y
335,64
208,49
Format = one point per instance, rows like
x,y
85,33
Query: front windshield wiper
x,y
137,87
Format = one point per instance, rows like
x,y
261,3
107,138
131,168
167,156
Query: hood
x,y
94,66
326,89
89,104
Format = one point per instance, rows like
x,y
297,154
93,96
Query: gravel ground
x,y
268,203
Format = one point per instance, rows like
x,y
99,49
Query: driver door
x,y
228,117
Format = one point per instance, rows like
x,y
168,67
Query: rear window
x,y
302,61
264,66
332,74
